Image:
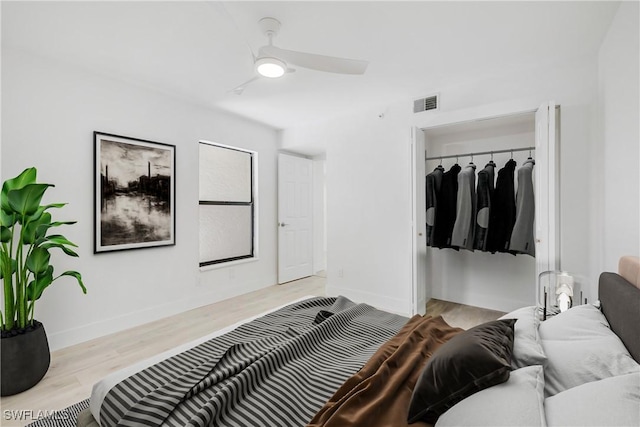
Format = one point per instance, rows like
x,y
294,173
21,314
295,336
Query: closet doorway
x,y
499,281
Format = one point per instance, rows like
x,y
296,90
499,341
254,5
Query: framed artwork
x,y
134,193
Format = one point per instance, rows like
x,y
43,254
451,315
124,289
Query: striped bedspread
x,y
277,370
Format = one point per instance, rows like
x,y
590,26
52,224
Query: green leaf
x,y
42,281
42,230
58,238
58,241
53,205
25,201
42,209
59,223
34,216
36,229
66,250
77,276
5,234
38,260
7,219
28,176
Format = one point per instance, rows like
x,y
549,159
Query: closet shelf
x,y
480,153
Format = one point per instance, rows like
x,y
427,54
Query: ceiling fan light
x,y
271,67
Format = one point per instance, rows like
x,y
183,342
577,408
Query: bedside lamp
x,y
556,291
564,291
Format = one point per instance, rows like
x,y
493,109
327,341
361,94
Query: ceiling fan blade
x,y
313,61
241,87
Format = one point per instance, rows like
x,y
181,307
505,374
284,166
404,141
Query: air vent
x,y
426,104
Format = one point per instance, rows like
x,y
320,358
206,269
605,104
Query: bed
x,y
332,362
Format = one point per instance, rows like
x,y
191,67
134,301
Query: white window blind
x,y
227,203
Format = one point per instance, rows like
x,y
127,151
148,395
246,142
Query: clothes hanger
x,y
491,161
471,162
531,158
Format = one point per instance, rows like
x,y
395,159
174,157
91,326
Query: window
x,y
227,203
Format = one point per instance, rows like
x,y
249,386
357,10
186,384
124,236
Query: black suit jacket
x,y
433,186
484,194
503,214
446,212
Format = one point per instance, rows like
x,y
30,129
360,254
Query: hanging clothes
x,y
462,236
522,241
503,215
446,211
433,186
486,178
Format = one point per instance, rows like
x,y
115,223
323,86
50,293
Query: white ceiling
x,y
200,50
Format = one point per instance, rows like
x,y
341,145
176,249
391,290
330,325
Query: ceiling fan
x,y
273,62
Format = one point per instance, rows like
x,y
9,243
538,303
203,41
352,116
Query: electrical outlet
x,y
340,272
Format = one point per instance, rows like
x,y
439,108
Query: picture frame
x,y
134,193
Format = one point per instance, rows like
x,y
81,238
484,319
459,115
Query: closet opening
x,y
471,271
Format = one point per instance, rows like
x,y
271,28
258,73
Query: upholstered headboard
x,y
629,268
620,301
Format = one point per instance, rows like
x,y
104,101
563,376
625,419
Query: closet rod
x,y
450,156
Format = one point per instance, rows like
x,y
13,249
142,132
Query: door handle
x,y
282,224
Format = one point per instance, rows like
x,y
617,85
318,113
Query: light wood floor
x,y
75,369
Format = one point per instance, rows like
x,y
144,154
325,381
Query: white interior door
x,y
546,215
295,220
419,296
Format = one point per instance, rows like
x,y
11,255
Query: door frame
x,y
419,292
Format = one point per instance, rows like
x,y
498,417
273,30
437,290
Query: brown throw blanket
x,y
379,394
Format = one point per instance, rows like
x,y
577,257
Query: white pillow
x,y
613,401
527,349
516,402
581,348
577,323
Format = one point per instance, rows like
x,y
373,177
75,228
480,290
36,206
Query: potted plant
x,y
25,269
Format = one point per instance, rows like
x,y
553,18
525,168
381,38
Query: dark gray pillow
x,y
471,361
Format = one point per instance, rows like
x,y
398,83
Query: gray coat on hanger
x,y
522,241
463,228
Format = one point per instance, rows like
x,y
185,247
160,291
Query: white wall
x,y
368,206
369,165
49,112
618,96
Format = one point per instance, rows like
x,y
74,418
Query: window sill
x,y
228,264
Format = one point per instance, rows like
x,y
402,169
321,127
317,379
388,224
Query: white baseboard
x,y
120,323
72,336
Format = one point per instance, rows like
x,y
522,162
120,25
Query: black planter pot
x,y
25,360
